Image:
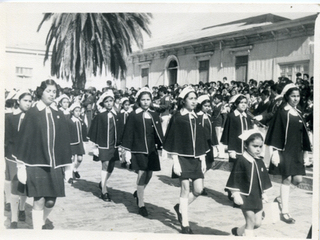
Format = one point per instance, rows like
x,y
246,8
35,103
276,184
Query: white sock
x,y
240,230
285,192
184,211
249,233
46,212
140,193
22,203
37,219
7,190
68,172
104,181
14,207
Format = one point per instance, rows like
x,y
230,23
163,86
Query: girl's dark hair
x,y
101,103
252,138
181,102
236,103
25,94
287,94
199,106
124,103
140,96
43,86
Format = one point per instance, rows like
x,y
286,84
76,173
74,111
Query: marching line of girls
x,y
190,138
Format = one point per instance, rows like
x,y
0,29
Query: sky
x,y
21,28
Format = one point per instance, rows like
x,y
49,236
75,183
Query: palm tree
x,y
85,43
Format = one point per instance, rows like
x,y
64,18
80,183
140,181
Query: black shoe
x,y
234,231
13,225
22,216
186,230
7,207
176,208
263,215
106,197
143,212
76,175
135,195
70,181
309,166
47,227
278,200
287,218
100,186
204,192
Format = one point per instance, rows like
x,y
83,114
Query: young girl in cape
x,y
64,102
42,150
16,190
288,137
203,108
104,133
141,138
187,142
248,182
78,135
237,122
125,110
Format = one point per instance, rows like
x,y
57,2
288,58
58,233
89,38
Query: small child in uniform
x,y
248,182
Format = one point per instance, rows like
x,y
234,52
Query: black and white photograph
x,y
160,120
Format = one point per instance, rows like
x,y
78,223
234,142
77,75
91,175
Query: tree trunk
x,y
79,81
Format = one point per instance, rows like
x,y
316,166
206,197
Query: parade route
x,y
82,208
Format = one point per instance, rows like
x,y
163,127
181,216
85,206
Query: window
x,y
204,71
23,72
291,69
144,76
172,72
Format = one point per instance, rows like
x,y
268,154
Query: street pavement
x,y
83,210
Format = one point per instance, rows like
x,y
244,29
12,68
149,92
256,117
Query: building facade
x,y
261,48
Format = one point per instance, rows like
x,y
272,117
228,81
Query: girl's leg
x,y
148,178
37,212
68,171
14,202
258,219
197,189
104,177
184,201
77,163
284,194
110,168
7,190
142,179
296,180
22,207
48,206
250,222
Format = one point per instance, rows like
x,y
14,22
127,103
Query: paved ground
x,y
82,209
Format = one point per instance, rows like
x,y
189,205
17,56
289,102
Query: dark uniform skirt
x,y
190,168
77,149
111,154
45,182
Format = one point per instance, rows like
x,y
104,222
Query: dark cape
x,y
180,140
134,134
32,142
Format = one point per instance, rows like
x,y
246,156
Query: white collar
x,y
218,104
277,97
247,156
139,110
293,111
16,111
124,111
41,106
200,113
237,113
184,111
265,101
74,119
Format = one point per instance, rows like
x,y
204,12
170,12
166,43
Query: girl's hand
x,y
22,173
265,198
203,164
237,199
176,165
128,157
275,159
233,154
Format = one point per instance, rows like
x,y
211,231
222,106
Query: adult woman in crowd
x,y
288,136
42,150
